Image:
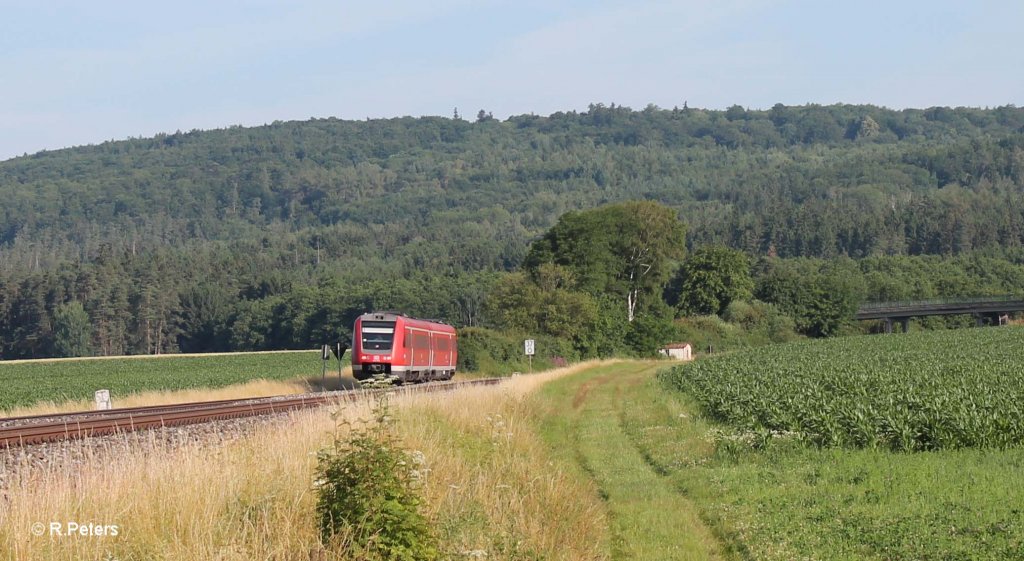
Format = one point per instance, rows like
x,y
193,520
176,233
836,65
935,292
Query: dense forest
x,y
276,236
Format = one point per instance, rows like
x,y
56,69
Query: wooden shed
x,y
678,351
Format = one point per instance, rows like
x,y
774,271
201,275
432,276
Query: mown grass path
x,y
649,518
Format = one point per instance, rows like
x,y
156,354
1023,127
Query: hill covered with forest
x,y
233,238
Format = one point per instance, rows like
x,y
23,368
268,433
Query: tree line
x,y
276,236
612,280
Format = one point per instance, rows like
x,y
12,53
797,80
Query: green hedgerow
x,y
368,501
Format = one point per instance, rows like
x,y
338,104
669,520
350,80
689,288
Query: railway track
x,y
38,429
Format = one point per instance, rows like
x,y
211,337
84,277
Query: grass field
x,y
797,501
26,383
648,517
604,462
827,483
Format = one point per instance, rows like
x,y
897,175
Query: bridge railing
x,y
937,302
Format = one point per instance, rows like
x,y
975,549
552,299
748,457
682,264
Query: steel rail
x,y
38,429
96,413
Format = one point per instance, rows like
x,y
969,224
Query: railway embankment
x,y
491,486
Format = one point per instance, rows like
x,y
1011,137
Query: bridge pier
x,y
994,319
904,324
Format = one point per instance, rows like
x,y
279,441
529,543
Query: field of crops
x,y
906,392
27,383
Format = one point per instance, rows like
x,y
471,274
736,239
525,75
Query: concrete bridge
x,y
994,309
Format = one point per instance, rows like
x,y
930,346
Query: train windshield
x,y
378,336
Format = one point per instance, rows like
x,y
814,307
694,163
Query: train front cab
x,y
373,343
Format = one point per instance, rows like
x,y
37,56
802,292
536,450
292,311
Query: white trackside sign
x,y
102,399
530,347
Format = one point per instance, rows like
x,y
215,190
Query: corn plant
x,y
922,391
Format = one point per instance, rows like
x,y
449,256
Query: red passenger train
x,y
409,349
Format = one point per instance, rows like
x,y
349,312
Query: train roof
x,y
390,315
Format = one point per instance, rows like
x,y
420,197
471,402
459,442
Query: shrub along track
x,y
23,431
650,519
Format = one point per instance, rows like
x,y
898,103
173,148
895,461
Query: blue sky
x,y
75,73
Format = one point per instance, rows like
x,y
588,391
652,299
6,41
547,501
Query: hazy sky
x,y
76,73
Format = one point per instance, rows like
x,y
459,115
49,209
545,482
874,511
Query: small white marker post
x,y
102,398
325,355
530,347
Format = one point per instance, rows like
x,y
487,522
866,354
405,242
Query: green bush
x,y
368,502
762,321
491,352
648,333
713,331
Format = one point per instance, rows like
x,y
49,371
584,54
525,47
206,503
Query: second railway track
x,y
38,429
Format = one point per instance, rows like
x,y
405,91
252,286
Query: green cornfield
x,y
904,392
26,383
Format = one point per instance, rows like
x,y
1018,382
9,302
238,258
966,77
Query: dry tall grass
x,y
254,388
492,489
